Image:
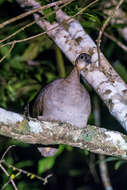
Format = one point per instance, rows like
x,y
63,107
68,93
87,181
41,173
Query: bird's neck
x,y
73,78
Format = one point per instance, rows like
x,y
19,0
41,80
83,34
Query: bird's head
x,y
82,61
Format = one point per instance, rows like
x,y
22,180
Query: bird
x,y
65,99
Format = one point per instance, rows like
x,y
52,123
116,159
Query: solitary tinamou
x,y
66,99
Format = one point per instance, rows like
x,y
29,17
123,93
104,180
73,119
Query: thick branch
x,y
94,139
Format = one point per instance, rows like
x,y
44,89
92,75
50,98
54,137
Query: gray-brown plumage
x,y
66,99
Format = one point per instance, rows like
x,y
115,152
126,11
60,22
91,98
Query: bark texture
x,y
94,139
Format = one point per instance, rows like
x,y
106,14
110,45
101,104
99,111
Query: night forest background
x,y
29,66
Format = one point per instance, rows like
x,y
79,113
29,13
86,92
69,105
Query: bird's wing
x,y
39,100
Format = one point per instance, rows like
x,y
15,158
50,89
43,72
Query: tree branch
x,y
94,139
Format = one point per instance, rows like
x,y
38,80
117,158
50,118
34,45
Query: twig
x,y
103,28
102,165
53,28
4,154
13,34
93,168
7,174
9,51
5,185
29,174
104,173
116,41
12,177
30,24
27,39
86,7
111,37
31,12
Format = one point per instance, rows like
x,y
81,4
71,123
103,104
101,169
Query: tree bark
x,y
94,139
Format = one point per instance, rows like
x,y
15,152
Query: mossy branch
x,y
92,138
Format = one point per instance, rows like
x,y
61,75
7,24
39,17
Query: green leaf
x,y
86,152
75,172
50,18
4,50
92,18
23,164
45,164
50,76
122,71
11,92
38,77
119,163
60,150
1,1
109,159
9,160
117,26
88,24
16,63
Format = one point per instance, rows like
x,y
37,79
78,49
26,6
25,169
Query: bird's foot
x,y
42,118
47,151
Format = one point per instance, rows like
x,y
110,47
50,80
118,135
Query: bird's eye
x,y
81,57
